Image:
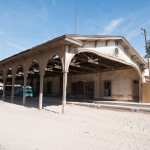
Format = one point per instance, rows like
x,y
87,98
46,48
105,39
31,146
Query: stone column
x,y
100,85
140,90
4,82
143,77
141,81
24,88
12,92
41,91
64,91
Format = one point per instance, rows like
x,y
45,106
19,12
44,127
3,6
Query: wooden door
x,y
89,90
136,90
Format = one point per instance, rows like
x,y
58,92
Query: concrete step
x,y
134,104
113,106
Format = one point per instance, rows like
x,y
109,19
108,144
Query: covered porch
x,y
67,68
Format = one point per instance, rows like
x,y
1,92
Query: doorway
x,y
89,90
107,88
135,90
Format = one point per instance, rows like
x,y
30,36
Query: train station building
x,y
83,67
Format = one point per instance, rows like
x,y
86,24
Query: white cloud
x,y
111,26
9,48
14,45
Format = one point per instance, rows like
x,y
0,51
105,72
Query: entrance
x,y
89,90
136,90
107,88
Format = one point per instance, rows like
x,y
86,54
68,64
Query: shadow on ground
x,y
48,101
34,102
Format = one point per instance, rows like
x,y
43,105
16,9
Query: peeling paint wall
x,y
55,82
146,93
121,83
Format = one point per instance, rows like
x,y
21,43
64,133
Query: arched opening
x,y
8,82
1,84
19,76
92,77
33,79
53,79
18,82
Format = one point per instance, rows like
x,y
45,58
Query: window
x,y
107,88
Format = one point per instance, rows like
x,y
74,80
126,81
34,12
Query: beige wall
x,y
146,92
55,85
121,82
86,78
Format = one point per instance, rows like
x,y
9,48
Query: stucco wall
x,y
84,78
55,81
121,83
146,92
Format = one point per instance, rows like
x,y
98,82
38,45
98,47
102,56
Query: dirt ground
x,y
80,128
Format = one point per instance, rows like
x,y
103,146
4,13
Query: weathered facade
x,y
78,66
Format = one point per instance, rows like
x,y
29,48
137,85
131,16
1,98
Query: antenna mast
x,y
75,21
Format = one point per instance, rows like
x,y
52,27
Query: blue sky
x,y
27,23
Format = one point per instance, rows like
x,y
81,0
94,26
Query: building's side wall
x,y
55,86
85,78
121,83
146,93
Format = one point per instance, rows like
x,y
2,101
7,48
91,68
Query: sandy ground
x,y
80,128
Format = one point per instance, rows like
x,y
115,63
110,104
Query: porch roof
x,y
76,40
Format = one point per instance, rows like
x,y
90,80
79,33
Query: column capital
x,y
4,75
25,73
65,71
42,74
41,70
14,72
4,79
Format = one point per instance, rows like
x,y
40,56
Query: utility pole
x,y
144,32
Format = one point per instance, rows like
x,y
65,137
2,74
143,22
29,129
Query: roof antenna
x,y
75,21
